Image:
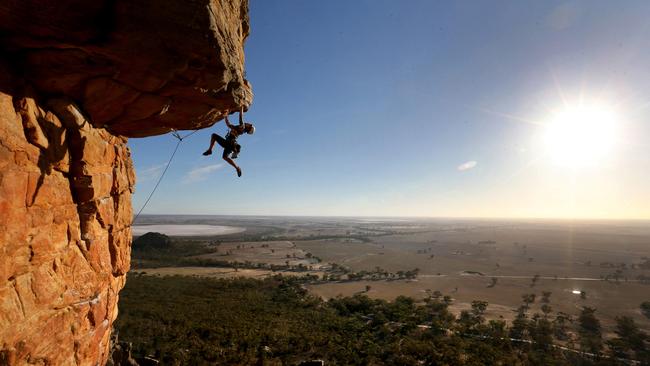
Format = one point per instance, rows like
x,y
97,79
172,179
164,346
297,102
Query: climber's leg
x,y
226,157
214,139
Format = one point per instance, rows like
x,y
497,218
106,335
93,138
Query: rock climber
x,y
229,144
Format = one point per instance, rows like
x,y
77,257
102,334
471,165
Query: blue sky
x,y
423,108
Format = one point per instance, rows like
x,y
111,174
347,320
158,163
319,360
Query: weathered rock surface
x,y
65,215
136,67
76,77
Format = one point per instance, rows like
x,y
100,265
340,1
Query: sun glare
x,y
581,136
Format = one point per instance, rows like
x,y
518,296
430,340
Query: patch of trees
x,y
617,275
151,241
630,342
534,280
643,279
620,265
360,238
187,320
645,309
157,250
375,274
590,331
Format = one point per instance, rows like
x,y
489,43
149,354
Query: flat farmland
x,y
604,265
501,263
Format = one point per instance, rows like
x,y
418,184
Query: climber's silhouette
x,y
229,144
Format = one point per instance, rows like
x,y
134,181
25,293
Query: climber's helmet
x,y
249,128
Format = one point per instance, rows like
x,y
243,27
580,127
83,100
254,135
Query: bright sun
x,y
581,136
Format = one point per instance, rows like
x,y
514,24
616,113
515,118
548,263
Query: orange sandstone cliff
x,y
77,77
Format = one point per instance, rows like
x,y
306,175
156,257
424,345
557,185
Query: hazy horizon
x,y
306,216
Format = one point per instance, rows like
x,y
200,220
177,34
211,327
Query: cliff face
x,y
76,78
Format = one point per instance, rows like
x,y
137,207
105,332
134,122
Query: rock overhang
x,y
135,67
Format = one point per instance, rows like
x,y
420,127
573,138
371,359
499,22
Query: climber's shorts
x,y
229,145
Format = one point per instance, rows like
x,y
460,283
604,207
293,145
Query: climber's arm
x,y
227,121
241,116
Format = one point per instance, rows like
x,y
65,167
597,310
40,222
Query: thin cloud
x,y
563,16
150,173
467,165
201,173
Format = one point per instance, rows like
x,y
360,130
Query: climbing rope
x,y
180,139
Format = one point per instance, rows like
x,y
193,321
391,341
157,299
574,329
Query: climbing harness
x,y
180,138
